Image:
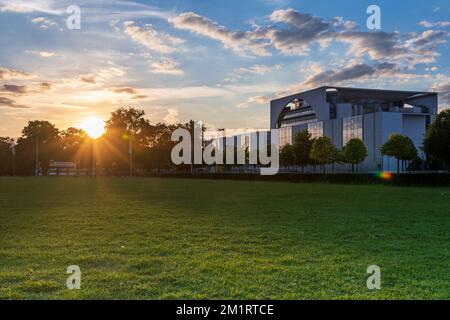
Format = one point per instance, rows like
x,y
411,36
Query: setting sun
x,y
95,127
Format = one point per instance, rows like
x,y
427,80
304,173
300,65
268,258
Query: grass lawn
x,y
193,239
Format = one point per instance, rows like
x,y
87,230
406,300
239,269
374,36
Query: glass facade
x,y
315,129
285,136
352,128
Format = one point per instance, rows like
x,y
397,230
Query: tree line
x,y
320,152
151,147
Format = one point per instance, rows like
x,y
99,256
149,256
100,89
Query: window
x,y
352,128
315,129
285,136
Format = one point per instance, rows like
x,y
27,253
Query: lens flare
x,y
384,175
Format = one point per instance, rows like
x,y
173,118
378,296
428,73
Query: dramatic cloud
x,y
239,41
152,39
6,102
166,66
294,33
7,74
302,30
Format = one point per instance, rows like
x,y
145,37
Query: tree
x,y
337,157
437,139
77,147
42,136
121,141
355,152
322,151
6,155
302,149
399,147
287,155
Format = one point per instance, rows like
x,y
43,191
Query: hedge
x,y
405,179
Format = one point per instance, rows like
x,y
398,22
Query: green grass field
x,y
194,239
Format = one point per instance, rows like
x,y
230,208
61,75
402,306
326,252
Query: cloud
x,y
166,66
16,8
44,23
133,92
239,41
7,74
127,90
46,54
152,39
254,100
428,24
294,33
304,30
257,69
88,79
444,93
45,86
172,116
353,72
14,89
6,102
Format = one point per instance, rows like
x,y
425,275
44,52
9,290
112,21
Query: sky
x,y
220,62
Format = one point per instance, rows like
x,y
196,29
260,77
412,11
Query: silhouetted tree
x,y
77,147
6,156
119,141
44,135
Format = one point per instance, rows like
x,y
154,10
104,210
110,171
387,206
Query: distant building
x,y
346,113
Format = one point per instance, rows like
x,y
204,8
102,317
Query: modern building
x,y
346,113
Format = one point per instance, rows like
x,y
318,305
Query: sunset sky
x,y
216,61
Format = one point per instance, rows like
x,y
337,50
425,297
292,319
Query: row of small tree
x,y
308,151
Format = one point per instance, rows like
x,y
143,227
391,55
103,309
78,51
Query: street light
x,y
95,127
37,155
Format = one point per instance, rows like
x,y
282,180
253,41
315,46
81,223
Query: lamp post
x,y
13,151
131,156
37,155
130,149
93,156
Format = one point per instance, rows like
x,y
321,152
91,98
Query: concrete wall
x,y
414,126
